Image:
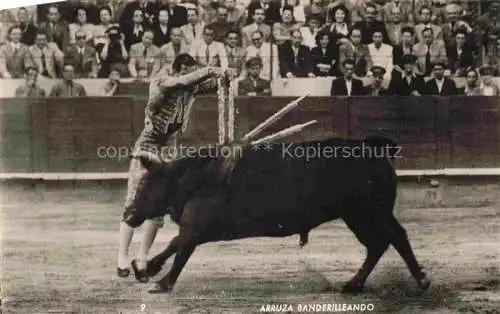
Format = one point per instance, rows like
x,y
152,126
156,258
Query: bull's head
x,y
165,185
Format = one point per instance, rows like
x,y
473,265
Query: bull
x,y
277,193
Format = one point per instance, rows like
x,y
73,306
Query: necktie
x,y
194,31
44,64
207,55
69,90
177,48
428,60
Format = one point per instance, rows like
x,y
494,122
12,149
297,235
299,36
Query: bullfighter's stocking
x,y
150,230
126,233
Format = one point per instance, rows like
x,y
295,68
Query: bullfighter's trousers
x,y
150,141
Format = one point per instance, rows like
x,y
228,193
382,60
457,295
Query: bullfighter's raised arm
x,y
190,79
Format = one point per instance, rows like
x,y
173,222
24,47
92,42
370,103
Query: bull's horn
x,y
150,160
273,118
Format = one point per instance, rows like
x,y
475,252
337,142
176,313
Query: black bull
x,y
277,193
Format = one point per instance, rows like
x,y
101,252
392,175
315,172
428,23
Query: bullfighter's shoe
x,y
140,275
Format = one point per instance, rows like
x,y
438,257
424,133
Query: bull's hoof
x,y
153,268
424,283
353,287
140,275
122,272
157,287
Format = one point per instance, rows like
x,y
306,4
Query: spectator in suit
x,y
67,87
453,23
133,32
208,51
403,7
112,53
193,30
148,9
221,26
177,15
394,28
428,51
375,88
282,31
116,7
295,58
271,11
236,15
81,24
46,57
405,48
56,30
489,26
28,29
370,24
440,84
161,31
310,31
460,54
15,56
112,86
488,87
7,20
471,87
257,25
207,11
339,29
30,89
355,50
316,8
408,82
235,54
425,23
325,56
269,57
380,53
144,56
347,85
83,57
253,84
105,24
493,57
172,49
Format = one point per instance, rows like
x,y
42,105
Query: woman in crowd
x,y
283,31
81,24
472,85
488,87
339,29
325,56
298,10
105,24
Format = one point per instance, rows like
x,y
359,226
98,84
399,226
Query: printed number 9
x,y
143,307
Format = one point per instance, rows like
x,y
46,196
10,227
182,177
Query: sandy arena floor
x,y
60,245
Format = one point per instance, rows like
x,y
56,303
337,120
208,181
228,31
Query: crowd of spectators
x,y
399,41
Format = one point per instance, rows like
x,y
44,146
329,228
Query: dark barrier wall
x,y
86,134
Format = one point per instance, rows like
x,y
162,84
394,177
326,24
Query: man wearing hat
x,y
488,87
253,84
439,84
167,110
376,89
407,83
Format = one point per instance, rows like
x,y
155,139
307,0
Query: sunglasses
x,y
80,37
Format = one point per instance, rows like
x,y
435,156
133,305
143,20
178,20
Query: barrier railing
x,y
91,137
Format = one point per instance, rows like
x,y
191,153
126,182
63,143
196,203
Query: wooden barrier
x,y
86,135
